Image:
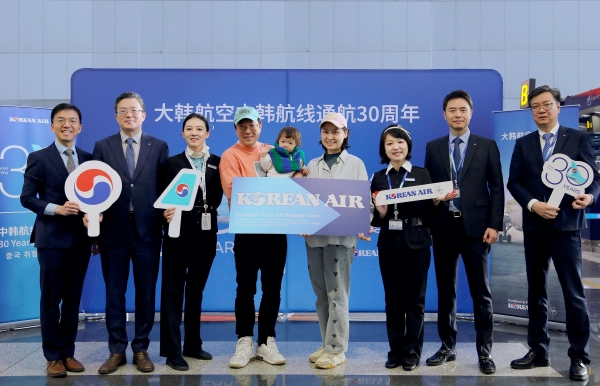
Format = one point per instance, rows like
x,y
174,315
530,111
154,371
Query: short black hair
x,y
196,115
458,94
542,89
396,131
130,95
64,106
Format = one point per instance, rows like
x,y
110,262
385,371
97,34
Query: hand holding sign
x,y
565,176
95,186
181,195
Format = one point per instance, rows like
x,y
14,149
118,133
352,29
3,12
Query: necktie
x,y
130,157
455,170
198,163
70,160
547,146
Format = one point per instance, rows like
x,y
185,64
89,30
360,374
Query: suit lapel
x,y
57,161
117,148
561,137
145,146
536,148
445,154
471,150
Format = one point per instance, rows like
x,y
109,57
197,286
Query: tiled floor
x,y
22,362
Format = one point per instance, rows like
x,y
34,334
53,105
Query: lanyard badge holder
x,y
395,224
205,222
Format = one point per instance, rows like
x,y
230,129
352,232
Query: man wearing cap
x,y
241,160
467,223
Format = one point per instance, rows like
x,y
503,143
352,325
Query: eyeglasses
x,y
546,106
61,121
251,126
132,111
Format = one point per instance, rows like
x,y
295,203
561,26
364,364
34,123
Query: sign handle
x,y
556,197
175,224
93,224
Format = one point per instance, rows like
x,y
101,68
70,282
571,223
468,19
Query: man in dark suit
x,y
61,240
552,232
131,229
467,223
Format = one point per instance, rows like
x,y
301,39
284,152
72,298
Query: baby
x,y
285,159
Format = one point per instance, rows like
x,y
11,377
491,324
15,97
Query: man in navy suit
x,y
552,232
467,223
131,230
63,246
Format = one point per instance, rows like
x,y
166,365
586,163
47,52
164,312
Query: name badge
x,y
211,166
409,179
395,225
205,221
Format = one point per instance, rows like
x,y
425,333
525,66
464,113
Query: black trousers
x,y
62,271
564,247
447,246
254,252
404,274
186,263
115,259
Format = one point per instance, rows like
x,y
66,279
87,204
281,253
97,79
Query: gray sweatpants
x,y
329,271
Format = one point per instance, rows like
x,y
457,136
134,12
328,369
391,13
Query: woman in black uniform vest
x,y
186,260
403,244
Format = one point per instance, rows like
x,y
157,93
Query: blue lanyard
x,y
400,187
462,159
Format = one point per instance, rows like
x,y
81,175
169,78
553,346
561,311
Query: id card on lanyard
x,y
205,222
395,224
455,169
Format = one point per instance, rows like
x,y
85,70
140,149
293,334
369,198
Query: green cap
x,y
246,112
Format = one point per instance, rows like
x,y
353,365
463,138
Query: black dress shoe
x,y
202,355
407,366
487,365
441,357
578,370
392,363
529,361
178,363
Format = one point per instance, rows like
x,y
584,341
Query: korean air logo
x,y
93,186
29,120
182,190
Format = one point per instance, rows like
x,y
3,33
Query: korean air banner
x,y
508,278
369,99
23,130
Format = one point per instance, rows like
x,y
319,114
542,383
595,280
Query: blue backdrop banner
x,y
508,278
23,130
369,99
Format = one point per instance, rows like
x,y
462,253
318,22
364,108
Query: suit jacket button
x,y
131,185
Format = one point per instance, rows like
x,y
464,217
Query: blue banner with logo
x,y
23,130
508,278
299,206
369,99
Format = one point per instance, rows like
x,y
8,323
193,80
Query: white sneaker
x,y
329,361
244,353
269,353
317,354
